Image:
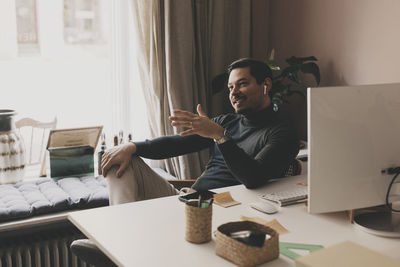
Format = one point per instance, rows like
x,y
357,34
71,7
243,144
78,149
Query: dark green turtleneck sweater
x,y
261,148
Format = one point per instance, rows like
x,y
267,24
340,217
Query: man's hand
x,y
119,155
198,124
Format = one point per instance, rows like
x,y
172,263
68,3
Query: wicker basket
x,y
198,224
242,254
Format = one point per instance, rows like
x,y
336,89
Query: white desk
x,y
151,233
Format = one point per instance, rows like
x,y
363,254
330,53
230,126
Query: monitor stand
x,y
381,223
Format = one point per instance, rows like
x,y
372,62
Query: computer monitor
x,y
353,134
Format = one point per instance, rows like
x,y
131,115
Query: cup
x,y
198,223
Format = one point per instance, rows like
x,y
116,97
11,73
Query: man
x,y
248,147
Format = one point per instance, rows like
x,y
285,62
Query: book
x,y
346,254
71,151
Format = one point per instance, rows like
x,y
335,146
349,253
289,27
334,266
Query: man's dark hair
x,y
258,69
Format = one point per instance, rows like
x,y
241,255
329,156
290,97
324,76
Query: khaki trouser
x,y
138,182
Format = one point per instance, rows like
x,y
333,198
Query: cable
x,y
388,193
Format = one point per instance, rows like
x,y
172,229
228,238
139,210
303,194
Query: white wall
x,y
356,42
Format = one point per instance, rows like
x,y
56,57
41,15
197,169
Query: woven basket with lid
x,y
242,254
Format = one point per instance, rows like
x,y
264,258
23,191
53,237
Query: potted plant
x,y
289,82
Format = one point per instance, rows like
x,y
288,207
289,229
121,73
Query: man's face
x,y
245,94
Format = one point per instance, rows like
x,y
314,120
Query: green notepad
x,y
286,249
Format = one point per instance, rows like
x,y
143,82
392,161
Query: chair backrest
x,y
35,134
294,168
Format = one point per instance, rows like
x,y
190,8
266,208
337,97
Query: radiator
x,y
43,249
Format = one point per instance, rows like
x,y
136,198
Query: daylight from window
x,y
56,61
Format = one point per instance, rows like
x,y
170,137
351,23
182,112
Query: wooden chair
x,y
294,168
35,135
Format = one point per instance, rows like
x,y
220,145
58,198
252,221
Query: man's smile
x,y
237,100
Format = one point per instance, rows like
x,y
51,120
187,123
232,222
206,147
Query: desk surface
x,y
151,233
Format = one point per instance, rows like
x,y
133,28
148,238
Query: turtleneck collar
x,y
261,117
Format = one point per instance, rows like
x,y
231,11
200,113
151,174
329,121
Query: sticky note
x,y
225,200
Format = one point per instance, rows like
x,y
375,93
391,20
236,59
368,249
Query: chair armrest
x,y
294,168
180,183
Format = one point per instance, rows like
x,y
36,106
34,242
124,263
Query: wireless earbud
x,y
265,89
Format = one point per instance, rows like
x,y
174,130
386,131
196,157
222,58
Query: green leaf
x,y
272,64
300,60
285,90
290,70
277,100
278,87
294,77
313,69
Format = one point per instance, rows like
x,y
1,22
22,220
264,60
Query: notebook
x,y
346,254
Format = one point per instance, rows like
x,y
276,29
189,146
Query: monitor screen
x,y
353,134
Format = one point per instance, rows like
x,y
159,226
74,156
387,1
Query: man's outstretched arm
x,y
196,138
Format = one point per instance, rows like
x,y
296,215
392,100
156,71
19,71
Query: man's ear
x,y
267,84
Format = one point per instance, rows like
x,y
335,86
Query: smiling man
x,y
253,145
248,147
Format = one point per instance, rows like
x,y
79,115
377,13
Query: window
x,y
82,22
59,60
27,33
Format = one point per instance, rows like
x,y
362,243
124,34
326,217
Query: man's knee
x,y
134,162
112,172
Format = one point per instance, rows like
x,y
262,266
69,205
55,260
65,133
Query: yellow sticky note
x,y
225,200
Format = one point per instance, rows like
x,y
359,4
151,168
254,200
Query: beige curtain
x,y
182,45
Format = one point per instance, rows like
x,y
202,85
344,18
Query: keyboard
x,y
288,197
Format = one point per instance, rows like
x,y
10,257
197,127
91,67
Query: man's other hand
x,y
119,155
196,123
